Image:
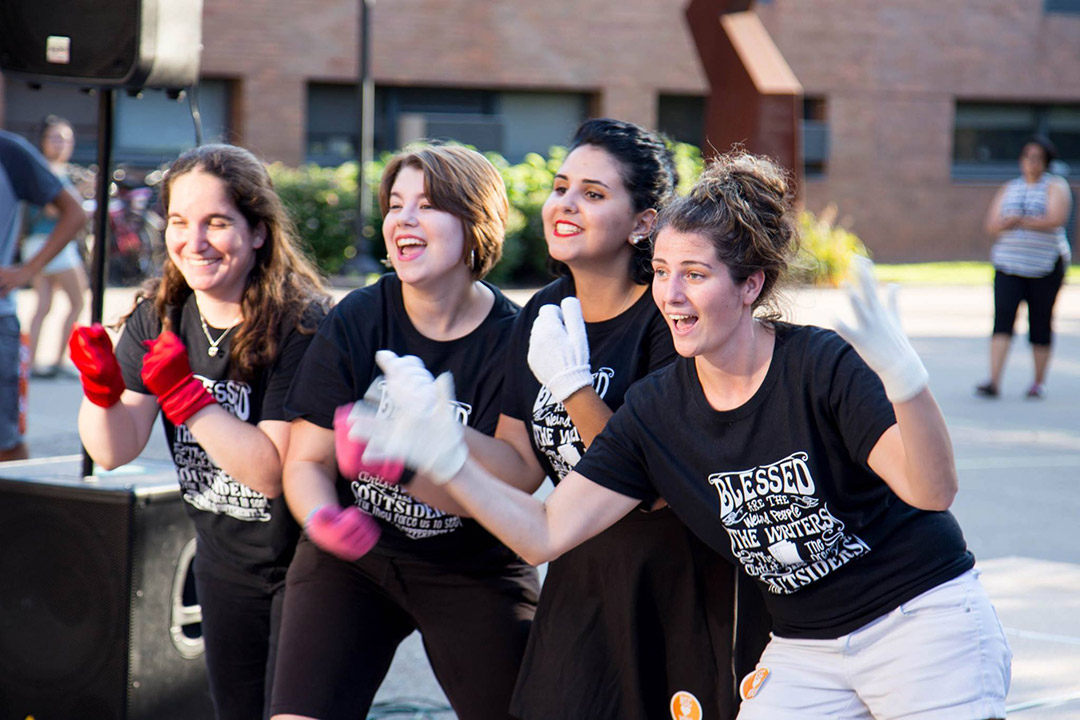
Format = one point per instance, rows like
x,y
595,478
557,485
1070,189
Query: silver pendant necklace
x,y
212,351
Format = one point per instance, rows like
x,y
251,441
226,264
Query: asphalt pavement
x,y
1018,462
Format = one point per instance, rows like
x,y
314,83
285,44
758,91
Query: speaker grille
x,y
65,564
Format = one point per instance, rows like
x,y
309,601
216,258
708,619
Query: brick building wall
x,y
626,53
891,73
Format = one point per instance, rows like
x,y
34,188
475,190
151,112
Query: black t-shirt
x,y
236,526
338,369
782,486
621,351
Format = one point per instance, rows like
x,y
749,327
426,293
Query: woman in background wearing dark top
x,y
822,468
1030,255
214,344
624,646
375,564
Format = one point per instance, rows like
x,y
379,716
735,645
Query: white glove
x,y
559,349
422,430
879,339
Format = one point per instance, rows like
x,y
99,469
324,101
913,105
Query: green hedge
x,y
322,201
826,248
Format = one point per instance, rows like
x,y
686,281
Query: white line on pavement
x,y
1049,637
1043,703
1017,461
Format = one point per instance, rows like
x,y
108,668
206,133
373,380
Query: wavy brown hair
x,y
465,184
283,283
742,204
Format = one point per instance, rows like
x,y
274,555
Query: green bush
x,y
528,185
826,250
688,164
322,201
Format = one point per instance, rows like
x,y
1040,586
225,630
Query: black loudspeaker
x,y
98,619
102,43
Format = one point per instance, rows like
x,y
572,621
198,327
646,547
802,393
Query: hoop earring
x,y
474,260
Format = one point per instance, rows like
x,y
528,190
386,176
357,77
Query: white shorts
x,y
65,260
940,656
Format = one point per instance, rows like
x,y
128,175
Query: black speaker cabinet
x,y
98,619
102,43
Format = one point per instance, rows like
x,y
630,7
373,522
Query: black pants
x,y
631,617
1040,294
343,622
240,622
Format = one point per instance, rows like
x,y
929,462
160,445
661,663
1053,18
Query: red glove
x,y
346,533
167,374
350,453
92,352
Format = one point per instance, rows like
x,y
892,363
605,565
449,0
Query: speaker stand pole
x,y
101,222
362,263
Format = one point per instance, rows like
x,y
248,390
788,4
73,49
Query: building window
x,y
152,129
535,121
815,137
1063,6
331,123
149,130
25,107
988,137
682,118
509,123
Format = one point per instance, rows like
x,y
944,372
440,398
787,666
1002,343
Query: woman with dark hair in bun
x,y
819,463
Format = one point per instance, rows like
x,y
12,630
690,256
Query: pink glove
x,y
350,452
345,533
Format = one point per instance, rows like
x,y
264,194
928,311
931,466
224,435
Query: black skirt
x,y
629,619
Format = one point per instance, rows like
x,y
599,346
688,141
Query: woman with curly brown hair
x,y
214,344
819,463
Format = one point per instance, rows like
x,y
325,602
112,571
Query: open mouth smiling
x,y
682,322
409,247
567,229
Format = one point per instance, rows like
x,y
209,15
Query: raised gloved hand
x,y
167,373
345,533
92,352
879,339
422,430
559,349
350,452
